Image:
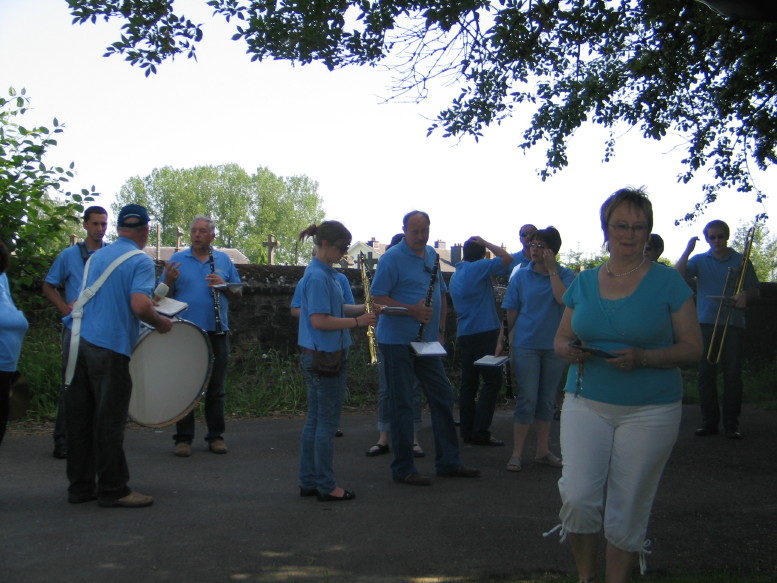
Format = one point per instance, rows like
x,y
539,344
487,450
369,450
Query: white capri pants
x,y
614,456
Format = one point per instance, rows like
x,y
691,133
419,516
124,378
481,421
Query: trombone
x,y
720,328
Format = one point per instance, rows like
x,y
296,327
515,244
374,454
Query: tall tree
x,y
246,208
763,251
664,66
36,213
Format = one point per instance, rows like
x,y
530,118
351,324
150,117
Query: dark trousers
x,y
60,432
731,366
475,415
97,403
402,369
6,379
214,395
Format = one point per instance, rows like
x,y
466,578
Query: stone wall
x,y
262,320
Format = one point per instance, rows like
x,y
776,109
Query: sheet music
x,y
170,307
490,360
428,348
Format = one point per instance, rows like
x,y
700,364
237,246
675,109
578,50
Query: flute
x,y
429,293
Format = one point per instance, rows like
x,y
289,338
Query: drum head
x,y
170,373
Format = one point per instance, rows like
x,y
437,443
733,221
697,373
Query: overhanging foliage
x,y
663,66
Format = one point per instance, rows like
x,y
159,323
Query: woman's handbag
x,y
327,364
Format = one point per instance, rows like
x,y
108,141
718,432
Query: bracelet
x,y
644,358
552,273
355,319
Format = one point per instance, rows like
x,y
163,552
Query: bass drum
x,y
170,373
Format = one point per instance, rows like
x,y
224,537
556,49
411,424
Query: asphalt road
x,y
238,517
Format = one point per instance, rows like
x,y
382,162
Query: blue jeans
x,y
402,368
325,401
384,410
475,418
97,404
731,365
214,395
538,374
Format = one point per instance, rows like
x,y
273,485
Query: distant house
x,y
448,257
164,254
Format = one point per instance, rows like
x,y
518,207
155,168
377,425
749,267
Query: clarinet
x,y
429,293
215,293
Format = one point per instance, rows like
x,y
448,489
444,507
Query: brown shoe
x,y
182,449
131,500
415,480
218,446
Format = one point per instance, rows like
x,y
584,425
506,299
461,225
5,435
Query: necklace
x,y
607,267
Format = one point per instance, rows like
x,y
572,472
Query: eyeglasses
x,y
623,228
538,245
526,233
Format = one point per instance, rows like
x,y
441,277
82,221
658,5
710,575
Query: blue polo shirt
x,y
13,326
473,296
710,273
320,293
519,260
68,269
405,276
345,286
539,314
108,320
191,287
642,320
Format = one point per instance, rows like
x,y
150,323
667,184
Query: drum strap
x,y
87,293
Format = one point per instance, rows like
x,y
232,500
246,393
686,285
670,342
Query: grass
x,y
270,382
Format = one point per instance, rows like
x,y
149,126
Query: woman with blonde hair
x,y
324,340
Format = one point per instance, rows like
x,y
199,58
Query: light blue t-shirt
x,y
519,261
710,273
68,269
345,285
13,326
320,293
405,277
192,288
108,320
641,320
473,296
539,314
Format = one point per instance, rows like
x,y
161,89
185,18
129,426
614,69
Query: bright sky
x,y
372,160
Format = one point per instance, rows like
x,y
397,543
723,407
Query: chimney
x,y
439,244
456,253
373,243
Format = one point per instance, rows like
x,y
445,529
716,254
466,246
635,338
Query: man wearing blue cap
x,y
97,398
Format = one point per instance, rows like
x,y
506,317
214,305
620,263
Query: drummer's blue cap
x,y
133,215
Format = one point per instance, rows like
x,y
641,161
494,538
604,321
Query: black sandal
x,y
377,449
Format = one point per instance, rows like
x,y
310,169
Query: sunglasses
x,y
526,233
717,237
538,245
